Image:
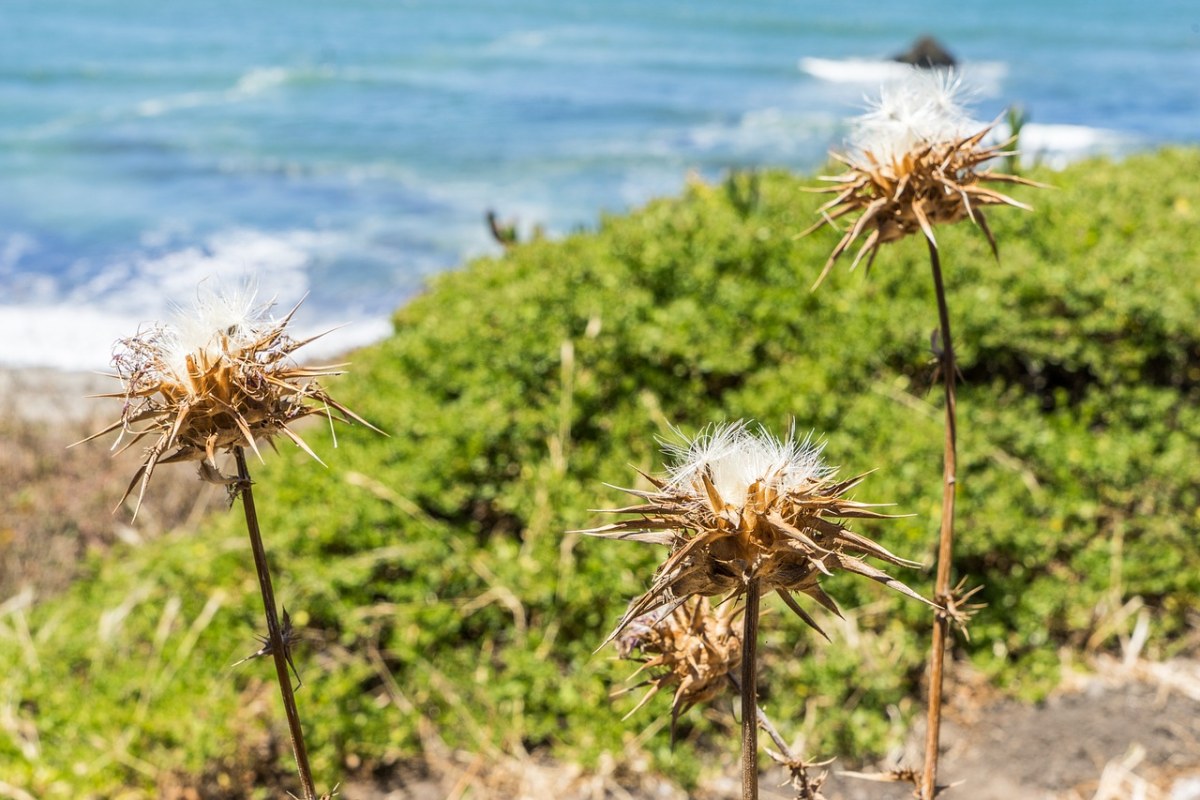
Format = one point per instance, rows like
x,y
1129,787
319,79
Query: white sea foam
x,y
72,337
259,80
77,329
853,70
772,132
1057,145
985,76
156,107
67,336
249,85
336,342
278,260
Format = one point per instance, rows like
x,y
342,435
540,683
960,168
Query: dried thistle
x,y
220,377
914,162
741,506
694,649
745,513
219,380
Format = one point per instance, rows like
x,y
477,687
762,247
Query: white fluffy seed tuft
x,y
219,323
735,457
926,107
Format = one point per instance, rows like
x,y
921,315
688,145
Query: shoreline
x,y
45,395
71,396
84,340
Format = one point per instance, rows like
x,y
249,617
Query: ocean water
x,y
349,150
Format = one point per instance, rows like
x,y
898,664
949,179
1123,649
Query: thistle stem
x,y
750,693
941,626
792,761
273,630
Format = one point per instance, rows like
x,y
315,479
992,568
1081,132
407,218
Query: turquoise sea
x,y
348,150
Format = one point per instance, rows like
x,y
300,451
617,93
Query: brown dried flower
x,y
914,163
694,649
741,505
220,377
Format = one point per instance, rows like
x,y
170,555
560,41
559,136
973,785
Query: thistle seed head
x,y
740,504
220,376
915,161
693,649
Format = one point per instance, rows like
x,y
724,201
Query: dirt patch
x,y
1066,743
1133,732
1129,730
59,500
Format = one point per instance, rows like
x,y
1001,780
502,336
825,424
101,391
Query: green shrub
x,y
515,388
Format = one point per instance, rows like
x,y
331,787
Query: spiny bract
x,y
740,504
221,376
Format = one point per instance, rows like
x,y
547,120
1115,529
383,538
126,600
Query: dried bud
x,y
222,376
740,504
693,649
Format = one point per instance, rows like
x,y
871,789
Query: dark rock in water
x,y
927,52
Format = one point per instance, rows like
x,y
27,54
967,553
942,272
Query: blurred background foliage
x,y
441,596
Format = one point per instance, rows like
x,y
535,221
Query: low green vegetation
x,y
432,572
